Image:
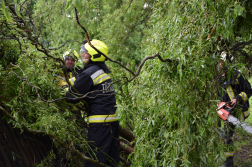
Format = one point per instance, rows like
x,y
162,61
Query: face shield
x,y
83,50
84,59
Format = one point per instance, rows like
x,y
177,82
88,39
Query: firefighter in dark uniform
x,y
236,90
69,57
95,82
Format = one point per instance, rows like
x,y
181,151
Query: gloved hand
x,y
72,80
61,81
64,90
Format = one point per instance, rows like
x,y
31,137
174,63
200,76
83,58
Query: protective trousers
x,y
105,144
228,133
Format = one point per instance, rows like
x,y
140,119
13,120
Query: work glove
x,y
72,80
61,81
64,90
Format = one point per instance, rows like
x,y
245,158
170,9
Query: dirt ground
x,y
243,153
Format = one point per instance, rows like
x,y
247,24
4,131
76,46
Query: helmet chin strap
x,y
84,61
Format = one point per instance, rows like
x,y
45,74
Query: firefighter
x,y
96,84
69,57
237,89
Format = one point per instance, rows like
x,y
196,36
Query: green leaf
x,y
3,4
17,12
68,4
7,15
6,12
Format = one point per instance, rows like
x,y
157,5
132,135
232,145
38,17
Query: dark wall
x,y
21,150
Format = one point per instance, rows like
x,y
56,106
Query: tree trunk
x,y
125,133
127,149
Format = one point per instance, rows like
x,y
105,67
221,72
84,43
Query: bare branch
x,y
97,49
64,44
240,44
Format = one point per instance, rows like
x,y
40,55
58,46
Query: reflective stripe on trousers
x,y
229,154
102,118
246,113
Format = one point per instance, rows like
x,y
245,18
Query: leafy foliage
x,y
166,106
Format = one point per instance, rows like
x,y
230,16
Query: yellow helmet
x,y
71,53
95,56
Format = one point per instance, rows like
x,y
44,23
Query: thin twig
x,y
64,44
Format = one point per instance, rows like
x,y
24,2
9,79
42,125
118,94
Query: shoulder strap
x,y
92,69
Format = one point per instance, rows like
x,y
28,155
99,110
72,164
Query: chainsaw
x,y
225,109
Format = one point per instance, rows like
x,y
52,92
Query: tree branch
x,y
97,49
64,44
240,44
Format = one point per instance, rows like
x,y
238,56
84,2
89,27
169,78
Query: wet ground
x,y
243,154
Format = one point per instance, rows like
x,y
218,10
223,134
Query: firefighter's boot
x,y
229,162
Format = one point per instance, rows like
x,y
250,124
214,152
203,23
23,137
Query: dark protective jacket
x,y
97,85
237,87
74,72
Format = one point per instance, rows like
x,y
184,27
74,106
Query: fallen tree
x,y
162,98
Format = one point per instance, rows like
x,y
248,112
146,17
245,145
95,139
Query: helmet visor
x,y
83,50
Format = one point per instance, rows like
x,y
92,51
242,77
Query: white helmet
x,y
225,56
71,53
